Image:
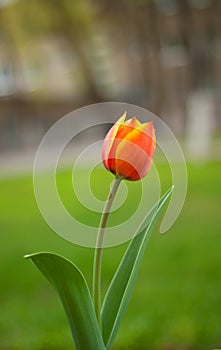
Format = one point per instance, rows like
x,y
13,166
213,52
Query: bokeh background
x,y
163,55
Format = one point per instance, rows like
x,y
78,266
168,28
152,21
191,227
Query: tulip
x,y
128,148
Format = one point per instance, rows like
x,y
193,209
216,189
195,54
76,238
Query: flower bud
x,y
128,148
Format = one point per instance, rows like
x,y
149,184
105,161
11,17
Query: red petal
x,y
135,152
109,140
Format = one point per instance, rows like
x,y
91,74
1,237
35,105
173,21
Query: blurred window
x,y
33,75
200,4
6,79
167,7
11,138
6,2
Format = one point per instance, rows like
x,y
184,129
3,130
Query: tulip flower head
x,y
128,148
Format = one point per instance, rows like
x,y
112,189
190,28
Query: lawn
x,y
177,299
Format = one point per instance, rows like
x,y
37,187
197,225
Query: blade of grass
x,y
120,290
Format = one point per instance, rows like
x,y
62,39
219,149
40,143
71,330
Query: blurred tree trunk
x,y
137,24
152,34
185,13
196,45
76,39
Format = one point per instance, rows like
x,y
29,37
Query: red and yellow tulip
x,y
128,148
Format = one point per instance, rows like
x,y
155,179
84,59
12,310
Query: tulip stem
x,y
99,249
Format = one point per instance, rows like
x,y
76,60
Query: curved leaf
x,y
74,293
120,290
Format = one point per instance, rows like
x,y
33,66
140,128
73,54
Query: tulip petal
x,y
109,140
123,131
126,128
132,162
144,137
134,153
133,122
149,130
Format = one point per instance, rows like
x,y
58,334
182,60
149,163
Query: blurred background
x,y
56,56
163,55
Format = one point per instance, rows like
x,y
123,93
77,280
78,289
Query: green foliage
x,y
120,290
176,301
30,19
74,293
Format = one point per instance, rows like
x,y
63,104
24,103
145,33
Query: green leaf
x,y
120,290
75,296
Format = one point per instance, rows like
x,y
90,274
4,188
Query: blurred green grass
x,y
177,300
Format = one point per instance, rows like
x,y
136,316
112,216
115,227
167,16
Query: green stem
x,y
99,249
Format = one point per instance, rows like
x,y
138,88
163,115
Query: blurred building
x,y
159,54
